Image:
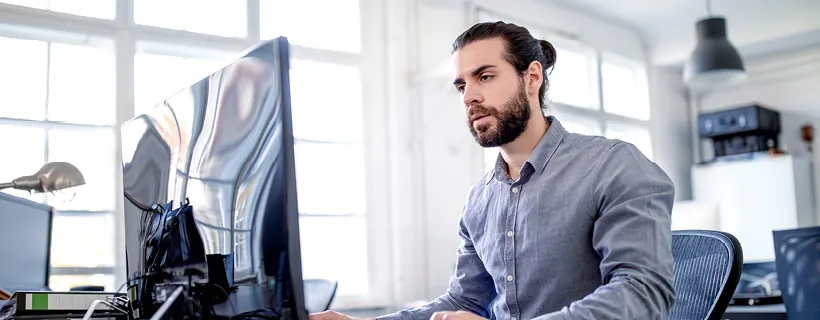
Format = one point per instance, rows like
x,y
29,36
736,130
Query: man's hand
x,y
458,315
330,315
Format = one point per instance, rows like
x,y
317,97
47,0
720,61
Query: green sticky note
x,y
39,301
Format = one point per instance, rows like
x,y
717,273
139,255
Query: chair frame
x,y
730,281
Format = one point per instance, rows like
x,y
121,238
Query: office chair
x,y
319,294
797,256
707,270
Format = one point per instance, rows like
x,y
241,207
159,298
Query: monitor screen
x,y
225,144
25,227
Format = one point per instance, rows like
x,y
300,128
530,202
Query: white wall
x,y
437,157
786,81
670,127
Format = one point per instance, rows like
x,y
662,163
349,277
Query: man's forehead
x,y
476,54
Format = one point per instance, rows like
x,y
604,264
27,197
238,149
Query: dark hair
x,y
521,48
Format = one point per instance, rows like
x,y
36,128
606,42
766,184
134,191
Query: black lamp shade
x,y
714,61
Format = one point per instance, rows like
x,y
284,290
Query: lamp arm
x,y
6,185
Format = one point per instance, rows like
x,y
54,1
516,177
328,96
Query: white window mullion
x,y
253,20
124,55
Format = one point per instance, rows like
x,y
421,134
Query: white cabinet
x,y
757,196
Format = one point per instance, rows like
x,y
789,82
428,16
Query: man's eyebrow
x,y
481,69
475,73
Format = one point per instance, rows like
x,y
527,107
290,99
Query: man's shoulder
x,y
592,146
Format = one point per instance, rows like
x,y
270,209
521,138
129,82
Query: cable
x,y
259,314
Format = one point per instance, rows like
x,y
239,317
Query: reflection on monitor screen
x,y
225,143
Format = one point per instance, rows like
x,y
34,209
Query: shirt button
x,y
509,233
513,318
509,278
515,189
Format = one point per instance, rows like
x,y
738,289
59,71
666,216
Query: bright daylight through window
x,y
618,108
57,99
61,102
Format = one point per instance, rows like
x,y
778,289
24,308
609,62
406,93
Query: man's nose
x,y
472,96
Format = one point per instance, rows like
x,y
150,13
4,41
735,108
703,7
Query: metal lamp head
x,y
715,61
51,177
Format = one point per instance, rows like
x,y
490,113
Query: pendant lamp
x,y
715,61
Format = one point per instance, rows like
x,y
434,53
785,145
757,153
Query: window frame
x,y
129,38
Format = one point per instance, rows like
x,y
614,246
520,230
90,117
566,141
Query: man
x,y
567,226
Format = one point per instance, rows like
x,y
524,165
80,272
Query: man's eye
x,y
486,77
460,88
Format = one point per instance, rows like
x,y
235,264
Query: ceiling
x,y
756,27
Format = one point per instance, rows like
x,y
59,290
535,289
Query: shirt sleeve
x,y
471,287
632,234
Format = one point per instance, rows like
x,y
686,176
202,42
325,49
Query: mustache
x,y
481,109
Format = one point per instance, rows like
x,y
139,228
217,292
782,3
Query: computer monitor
x,y
225,143
26,248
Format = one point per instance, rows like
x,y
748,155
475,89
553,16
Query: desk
x,y
245,299
761,312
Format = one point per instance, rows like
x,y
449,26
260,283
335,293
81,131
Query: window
x,y
340,29
625,92
23,97
157,77
227,18
573,79
81,85
101,9
64,100
593,92
59,106
330,171
346,247
29,148
578,124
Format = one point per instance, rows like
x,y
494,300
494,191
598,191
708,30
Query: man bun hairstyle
x,y
521,48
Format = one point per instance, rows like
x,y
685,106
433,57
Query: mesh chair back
x,y
707,270
319,294
797,255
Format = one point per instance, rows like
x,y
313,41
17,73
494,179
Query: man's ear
x,y
535,76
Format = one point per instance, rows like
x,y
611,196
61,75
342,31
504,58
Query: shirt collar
x,y
542,152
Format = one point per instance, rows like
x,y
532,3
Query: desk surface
x,y
245,299
761,312
767,308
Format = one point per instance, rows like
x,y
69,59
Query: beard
x,y
511,120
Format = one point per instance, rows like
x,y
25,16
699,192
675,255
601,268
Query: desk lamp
x,y
52,177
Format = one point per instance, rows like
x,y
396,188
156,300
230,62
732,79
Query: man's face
x,y
493,93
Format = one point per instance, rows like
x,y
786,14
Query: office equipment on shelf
x,y
42,304
707,270
25,251
225,143
798,271
740,130
757,196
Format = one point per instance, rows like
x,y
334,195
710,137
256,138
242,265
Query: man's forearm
x,y
625,298
444,303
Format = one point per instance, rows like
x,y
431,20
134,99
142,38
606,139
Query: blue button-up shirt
x,y
584,233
